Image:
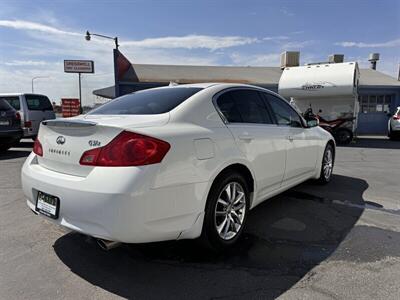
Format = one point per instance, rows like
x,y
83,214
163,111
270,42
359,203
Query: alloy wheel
x,y
328,163
230,210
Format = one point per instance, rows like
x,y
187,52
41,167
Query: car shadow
x,y
285,239
24,144
21,149
378,143
12,153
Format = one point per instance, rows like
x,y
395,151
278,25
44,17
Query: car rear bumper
x,y
396,128
29,132
118,204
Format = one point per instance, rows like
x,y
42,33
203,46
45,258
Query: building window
x,y
375,103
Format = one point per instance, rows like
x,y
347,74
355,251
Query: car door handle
x,y
290,138
246,137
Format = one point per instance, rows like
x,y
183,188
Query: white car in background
x,y
170,163
394,125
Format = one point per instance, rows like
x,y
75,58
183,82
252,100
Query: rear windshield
x,y
4,106
147,102
38,102
13,100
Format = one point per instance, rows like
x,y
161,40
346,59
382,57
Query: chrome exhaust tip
x,y
107,245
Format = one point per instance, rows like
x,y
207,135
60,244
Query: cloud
x,y
25,25
25,63
275,38
169,42
296,45
271,59
286,12
388,44
192,42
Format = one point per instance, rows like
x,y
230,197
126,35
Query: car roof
x,y
205,85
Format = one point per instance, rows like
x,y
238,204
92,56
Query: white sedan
x,y
394,125
169,163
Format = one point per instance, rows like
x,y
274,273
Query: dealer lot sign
x,y
78,66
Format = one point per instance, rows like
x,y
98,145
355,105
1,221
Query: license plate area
x,y
48,205
4,123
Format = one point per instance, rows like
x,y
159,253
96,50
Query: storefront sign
x,y
78,66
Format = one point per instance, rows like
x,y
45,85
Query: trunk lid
x,y
65,140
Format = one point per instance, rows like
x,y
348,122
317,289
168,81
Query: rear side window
x,y
13,101
37,102
147,102
244,106
4,106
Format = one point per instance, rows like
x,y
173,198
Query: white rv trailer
x,y
331,88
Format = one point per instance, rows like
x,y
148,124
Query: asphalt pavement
x,y
339,241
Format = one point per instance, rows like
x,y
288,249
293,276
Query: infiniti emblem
x,y
60,140
3,113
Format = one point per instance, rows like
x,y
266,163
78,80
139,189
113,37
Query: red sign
x,y
70,107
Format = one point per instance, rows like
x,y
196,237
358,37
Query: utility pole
x,y
80,94
79,66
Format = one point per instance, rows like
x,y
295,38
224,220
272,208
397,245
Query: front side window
x,y
147,102
243,106
37,102
13,101
284,114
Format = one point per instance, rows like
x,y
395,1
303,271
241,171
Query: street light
x,y
37,77
88,37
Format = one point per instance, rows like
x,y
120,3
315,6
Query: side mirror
x,y
312,122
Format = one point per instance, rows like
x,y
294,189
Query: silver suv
x,y
33,108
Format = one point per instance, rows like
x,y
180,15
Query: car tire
x,y
226,211
328,160
392,136
343,136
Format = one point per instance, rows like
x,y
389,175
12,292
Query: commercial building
x,y
374,94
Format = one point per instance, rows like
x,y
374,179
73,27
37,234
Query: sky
x,y
36,36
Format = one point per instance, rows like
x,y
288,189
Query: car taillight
x,y
37,147
396,117
127,149
28,124
18,116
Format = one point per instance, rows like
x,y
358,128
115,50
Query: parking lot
x,y
340,241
